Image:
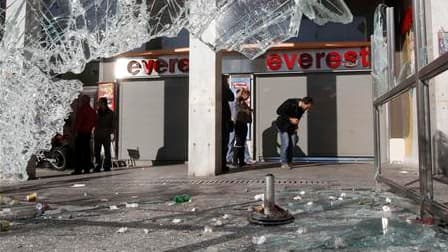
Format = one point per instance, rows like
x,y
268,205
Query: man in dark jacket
x,y
104,128
289,114
227,124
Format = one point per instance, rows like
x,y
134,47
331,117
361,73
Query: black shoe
x,y
107,169
76,173
86,171
96,170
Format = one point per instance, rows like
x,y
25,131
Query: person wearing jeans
x,y
243,117
288,141
289,115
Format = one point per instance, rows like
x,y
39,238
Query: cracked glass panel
x,y
379,52
41,39
251,27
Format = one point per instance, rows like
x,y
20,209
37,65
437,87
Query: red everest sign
x,y
163,66
322,60
159,66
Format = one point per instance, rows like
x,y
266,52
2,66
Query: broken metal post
x,y
269,195
270,214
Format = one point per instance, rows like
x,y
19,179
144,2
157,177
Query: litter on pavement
x,y
78,185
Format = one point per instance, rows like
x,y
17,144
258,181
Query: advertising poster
x,y
239,82
107,90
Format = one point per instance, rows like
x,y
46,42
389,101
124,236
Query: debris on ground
x,y
134,197
343,195
259,197
226,216
5,226
41,208
302,193
122,230
131,205
258,240
339,243
182,198
5,211
78,185
4,200
385,224
177,221
297,198
171,203
386,209
309,203
31,197
146,231
104,200
193,210
84,194
425,221
301,230
332,198
388,200
218,223
113,207
208,229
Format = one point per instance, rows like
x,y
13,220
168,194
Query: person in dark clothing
x,y
243,114
289,114
227,123
104,128
84,123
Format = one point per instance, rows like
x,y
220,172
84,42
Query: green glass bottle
x,y
182,198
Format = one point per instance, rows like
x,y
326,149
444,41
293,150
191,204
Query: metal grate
x,y
236,181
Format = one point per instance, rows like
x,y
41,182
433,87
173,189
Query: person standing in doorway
x,y
84,123
227,123
104,128
243,114
289,115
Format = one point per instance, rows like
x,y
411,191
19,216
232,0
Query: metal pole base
x,y
278,216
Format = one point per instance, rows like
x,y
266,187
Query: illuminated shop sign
x,y
324,60
141,68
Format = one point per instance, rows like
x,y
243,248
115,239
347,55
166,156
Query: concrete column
x,y
204,122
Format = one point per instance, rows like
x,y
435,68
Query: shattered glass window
x,y
44,38
379,53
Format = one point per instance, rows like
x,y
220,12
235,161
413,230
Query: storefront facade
x,y
153,90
